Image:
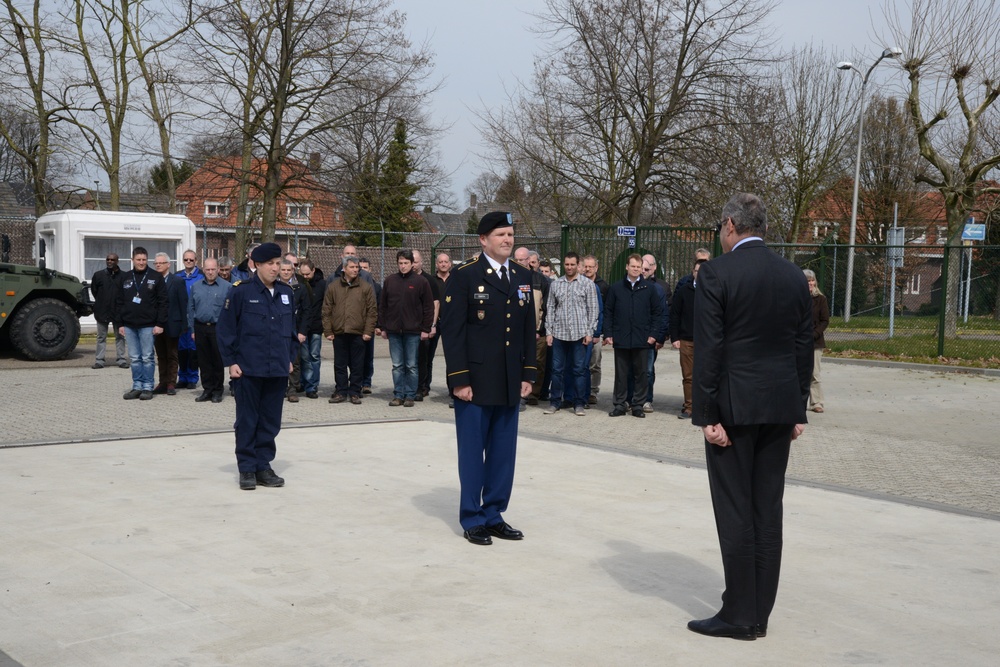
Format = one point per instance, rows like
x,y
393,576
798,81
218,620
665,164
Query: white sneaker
x,y
647,406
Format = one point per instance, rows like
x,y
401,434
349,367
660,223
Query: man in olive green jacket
x,y
349,314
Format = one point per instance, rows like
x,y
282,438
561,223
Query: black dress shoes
x,y
268,478
504,531
205,396
716,627
761,630
479,535
248,481
217,397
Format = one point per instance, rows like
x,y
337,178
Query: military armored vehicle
x,y
40,309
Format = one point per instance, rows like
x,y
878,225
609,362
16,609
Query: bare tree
x,y
812,139
619,95
363,136
952,58
289,57
890,162
150,34
484,187
24,57
22,130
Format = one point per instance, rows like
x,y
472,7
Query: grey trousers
x,y
102,344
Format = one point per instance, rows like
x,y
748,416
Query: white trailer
x,y
77,241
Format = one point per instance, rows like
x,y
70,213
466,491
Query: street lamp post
x,y
894,52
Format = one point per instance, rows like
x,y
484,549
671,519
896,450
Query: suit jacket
x,y
753,336
177,305
489,333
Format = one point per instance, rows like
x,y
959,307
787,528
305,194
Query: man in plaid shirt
x,y
571,320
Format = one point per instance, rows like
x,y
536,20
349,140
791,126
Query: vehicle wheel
x,y
45,329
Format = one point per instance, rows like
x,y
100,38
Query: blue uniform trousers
x,y
487,444
258,419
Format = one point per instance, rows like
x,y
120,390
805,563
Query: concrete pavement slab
x,y
144,552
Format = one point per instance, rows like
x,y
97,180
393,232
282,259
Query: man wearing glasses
x,y
187,355
753,361
176,322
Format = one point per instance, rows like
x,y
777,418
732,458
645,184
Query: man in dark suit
x,y
488,327
752,365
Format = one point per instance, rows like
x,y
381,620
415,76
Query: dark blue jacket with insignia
x,y
257,330
488,333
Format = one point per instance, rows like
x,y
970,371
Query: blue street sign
x,y
973,232
626,231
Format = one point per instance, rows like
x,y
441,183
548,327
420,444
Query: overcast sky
x,y
484,46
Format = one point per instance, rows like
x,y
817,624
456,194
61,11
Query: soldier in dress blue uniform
x,y
488,332
257,341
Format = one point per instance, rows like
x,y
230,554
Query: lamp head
x,y
844,65
893,52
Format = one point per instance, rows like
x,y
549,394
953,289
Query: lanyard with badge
x,y
138,286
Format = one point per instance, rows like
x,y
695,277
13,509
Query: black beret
x,y
491,221
265,252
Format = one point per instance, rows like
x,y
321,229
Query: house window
x,y
920,239
298,214
942,235
182,207
215,209
912,285
253,211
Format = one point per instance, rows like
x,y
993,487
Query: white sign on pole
x,y
895,241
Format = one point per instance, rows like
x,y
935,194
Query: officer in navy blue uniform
x,y
488,332
257,341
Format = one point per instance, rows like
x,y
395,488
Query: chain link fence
x,y
916,299
382,258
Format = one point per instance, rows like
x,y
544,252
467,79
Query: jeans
x,y
102,338
311,352
140,350
404,349
575,353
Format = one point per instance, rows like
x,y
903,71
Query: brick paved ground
x,y
921,436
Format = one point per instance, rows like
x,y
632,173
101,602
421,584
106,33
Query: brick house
x,y
308,216
919,279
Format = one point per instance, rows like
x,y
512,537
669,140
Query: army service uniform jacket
x,y
489,333
257,330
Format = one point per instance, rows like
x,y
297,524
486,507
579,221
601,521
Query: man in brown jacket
x,y
349,314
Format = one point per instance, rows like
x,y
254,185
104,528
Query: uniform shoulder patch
x,y
237,283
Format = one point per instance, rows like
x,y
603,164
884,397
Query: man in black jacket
x,y
166,343
311,325
753,361
633,313
405,316
141,314
682,331
104,286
